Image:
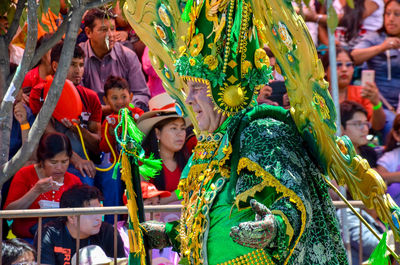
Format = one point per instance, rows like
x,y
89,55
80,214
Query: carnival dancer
x,y
254,190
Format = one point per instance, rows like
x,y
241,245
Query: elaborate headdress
x,y
223,51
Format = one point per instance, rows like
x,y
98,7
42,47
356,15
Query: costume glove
x,y
154,235
256,234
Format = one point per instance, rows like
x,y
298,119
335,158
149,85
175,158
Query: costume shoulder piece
x,y
219,43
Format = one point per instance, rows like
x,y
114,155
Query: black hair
x,y
56,52
78,195
52,144
115,82
352,19
39,43
391,143
12,249
339,49
348,109
97,13
150,145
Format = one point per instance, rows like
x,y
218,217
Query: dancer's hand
x,y
154,234
256,234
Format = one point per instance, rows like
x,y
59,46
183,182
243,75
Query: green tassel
x,y
134,132
150,167
115,171
186,12
378,256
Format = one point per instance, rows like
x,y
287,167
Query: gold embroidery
x,y
270,180
289,228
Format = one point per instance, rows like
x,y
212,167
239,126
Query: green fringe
x,y
134,131
150,167
378,256
186,12
115,171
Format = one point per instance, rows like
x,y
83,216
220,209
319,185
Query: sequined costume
x,y
256,154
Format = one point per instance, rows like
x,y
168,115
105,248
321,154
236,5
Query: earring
x,y
158,145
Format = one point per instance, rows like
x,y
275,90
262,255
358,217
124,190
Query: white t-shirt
x,y
375,21
390,160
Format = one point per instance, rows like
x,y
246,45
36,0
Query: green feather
x,y
186,12
378,256
150,167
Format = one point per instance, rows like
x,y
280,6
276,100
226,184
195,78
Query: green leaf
x,y
379,256
350,3
46,4
55,7
332,19
24,17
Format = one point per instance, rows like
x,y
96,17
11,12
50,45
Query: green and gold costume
x,y
258,154
275,156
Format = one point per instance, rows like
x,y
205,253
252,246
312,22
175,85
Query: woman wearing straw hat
x,y
165,132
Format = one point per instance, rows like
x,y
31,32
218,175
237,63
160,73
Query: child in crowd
x,y
116,95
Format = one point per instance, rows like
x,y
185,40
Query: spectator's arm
x,y
378,117
369,8
21,116
389,177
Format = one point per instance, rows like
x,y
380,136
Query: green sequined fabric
x,y
270,163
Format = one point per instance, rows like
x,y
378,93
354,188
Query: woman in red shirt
x,y
165,132
40,186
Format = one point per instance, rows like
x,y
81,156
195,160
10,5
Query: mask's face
x,y
208,118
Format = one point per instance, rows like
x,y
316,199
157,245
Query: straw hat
x,y
161,107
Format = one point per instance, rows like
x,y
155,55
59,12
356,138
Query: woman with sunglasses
x,y
367,96
389,164
381,53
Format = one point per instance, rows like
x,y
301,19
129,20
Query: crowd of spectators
x,y
111,70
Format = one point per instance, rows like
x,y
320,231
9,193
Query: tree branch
x,y
6,108
47,45
93,4
15,22
38,127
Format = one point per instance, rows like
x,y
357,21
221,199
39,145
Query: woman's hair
x,y
391,143
150,144
12,249
325,57
52,144
352,19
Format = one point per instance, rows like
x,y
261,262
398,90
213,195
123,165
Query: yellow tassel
x,y
135,236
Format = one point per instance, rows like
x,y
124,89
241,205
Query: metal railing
x,y
115,211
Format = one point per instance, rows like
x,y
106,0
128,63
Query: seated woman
x,y
165,132
381,53
367,96
389,163
40,186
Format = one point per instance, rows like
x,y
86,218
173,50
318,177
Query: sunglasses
x,y
347,64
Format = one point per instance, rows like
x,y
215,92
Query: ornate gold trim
x,y
270,180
